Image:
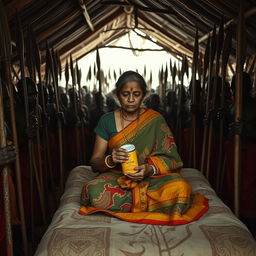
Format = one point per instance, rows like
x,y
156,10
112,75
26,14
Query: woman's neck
x,y
130,116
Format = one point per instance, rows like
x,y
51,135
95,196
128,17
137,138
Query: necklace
x,y
128,120
136,130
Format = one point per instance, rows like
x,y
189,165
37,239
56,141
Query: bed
x,y
218,232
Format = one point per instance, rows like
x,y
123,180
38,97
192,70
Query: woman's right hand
x,y
119,155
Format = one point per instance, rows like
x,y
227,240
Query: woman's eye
x,y
137,94
125,94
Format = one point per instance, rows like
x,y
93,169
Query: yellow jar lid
x,y
128,147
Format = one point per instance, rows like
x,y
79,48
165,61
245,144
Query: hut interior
x,y
47,130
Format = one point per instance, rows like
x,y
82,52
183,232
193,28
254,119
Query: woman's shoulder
x,y
107,116
149,111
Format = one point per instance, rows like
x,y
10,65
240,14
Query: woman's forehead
x,y
131,86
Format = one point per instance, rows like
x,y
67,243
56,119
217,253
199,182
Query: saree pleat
x,y
166,199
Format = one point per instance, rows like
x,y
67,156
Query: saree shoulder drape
x,y
165,199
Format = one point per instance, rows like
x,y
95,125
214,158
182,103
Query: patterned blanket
x,y
218,232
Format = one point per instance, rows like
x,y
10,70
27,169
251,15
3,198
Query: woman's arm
x,y
98,155
99,159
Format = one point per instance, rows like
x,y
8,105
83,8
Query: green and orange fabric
x,y
165,199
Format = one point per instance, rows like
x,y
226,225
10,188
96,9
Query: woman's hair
x,y
130,76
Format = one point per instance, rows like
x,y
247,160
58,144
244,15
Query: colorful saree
x,y
166,199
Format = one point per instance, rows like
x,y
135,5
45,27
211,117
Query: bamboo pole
x,y
238,104
5,180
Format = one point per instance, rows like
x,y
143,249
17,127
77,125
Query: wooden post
x,y
5,180
238,105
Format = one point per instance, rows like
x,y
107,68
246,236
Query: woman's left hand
x,y
142,172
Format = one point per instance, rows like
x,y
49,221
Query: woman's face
x,y
130,97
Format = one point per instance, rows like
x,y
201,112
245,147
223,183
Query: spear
x,y
227,46
5,179
206,65
218,52
47,155
89,74
74,81
115,75
59,125
5,54
250,68
150,79
200,66
59,64
38,173
82,129
192,151
207,112
21,49
238,104
99,76
180,95
67,75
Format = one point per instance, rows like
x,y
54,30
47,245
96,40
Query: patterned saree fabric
x,y
165,199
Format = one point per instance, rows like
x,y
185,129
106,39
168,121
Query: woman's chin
x,y
131,110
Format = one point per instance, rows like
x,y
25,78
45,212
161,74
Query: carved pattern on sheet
x,y
80,241
95,218
229,240
163,239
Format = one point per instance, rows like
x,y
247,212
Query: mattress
x,y
218,232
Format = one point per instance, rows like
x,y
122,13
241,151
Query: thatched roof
x,y
78,26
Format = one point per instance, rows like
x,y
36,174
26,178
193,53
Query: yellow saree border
x,y
145,118
198,208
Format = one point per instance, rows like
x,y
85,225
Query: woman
x,y
156,193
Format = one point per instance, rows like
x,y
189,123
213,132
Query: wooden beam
x,y
166,32
86,14
222,9
16,5
57,25
80,41
247,14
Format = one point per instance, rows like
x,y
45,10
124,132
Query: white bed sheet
x,y
218,232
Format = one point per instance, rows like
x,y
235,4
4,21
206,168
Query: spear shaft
x,y
238,105
5,180
192,152
58,120
74,81
227,45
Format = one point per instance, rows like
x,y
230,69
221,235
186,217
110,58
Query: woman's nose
x,y
131,98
